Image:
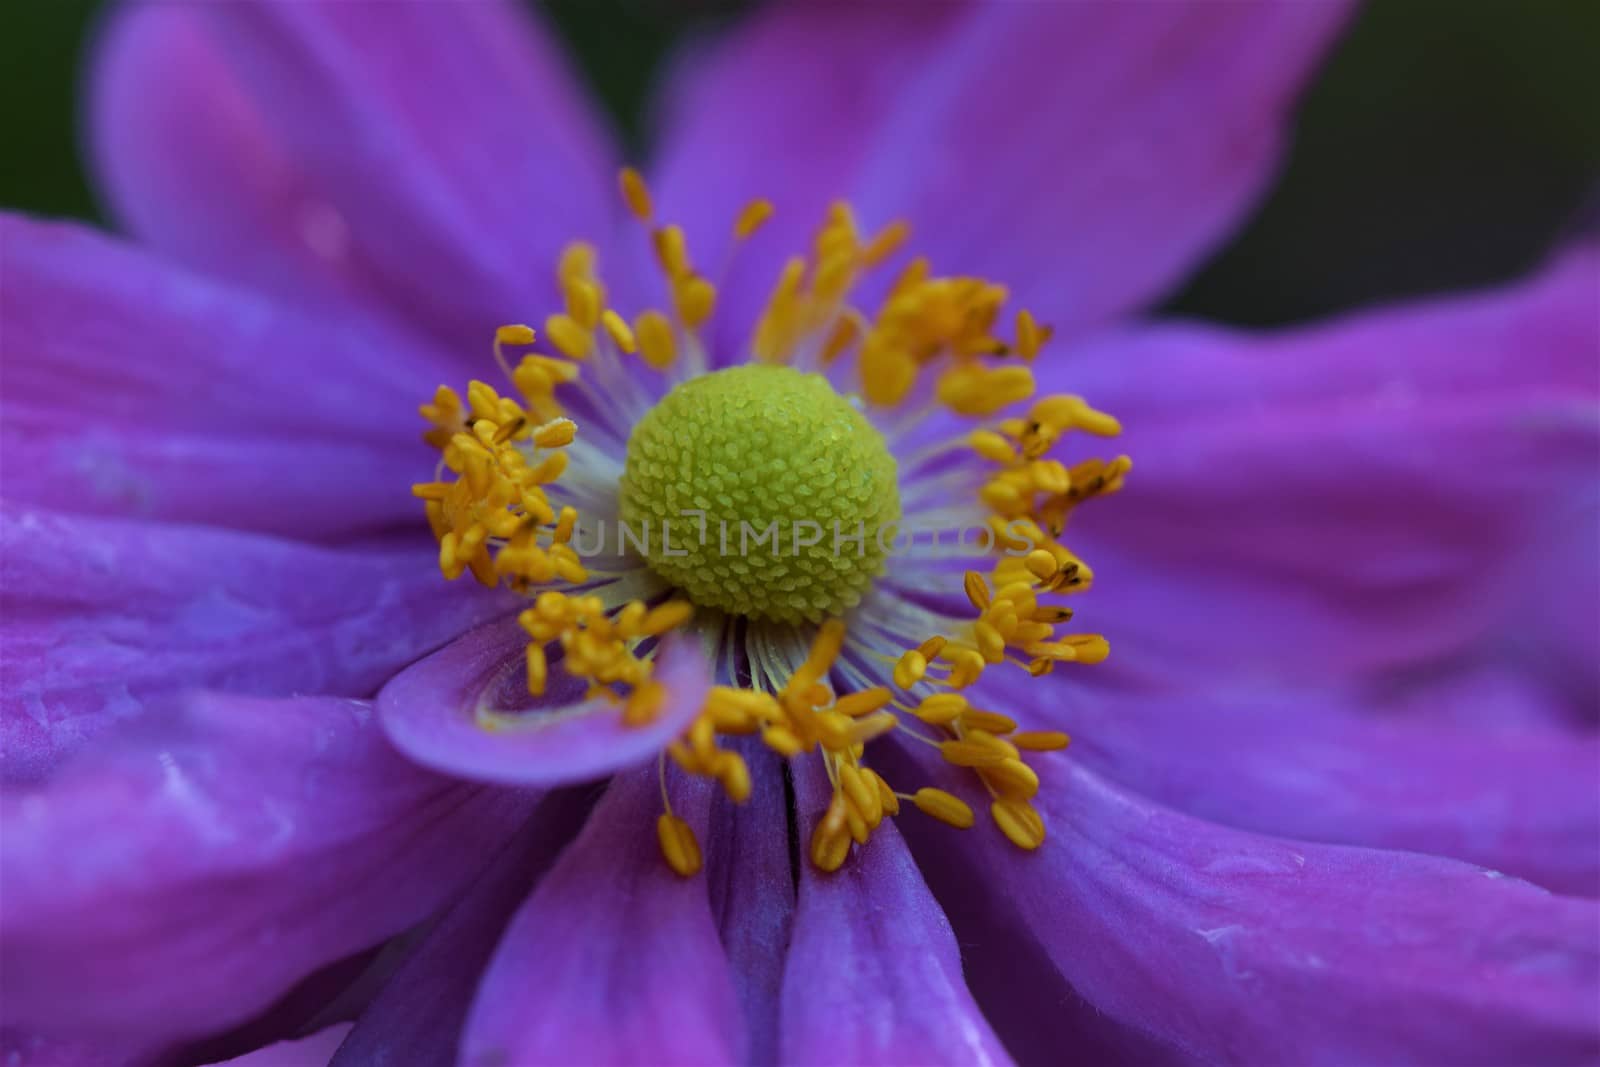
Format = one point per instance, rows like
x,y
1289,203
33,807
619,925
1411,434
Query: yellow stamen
x,y
635,194
678,844
656,342
944,807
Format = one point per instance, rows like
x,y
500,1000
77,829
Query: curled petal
x,y
465,710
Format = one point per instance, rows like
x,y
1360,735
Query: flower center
x,y
760,491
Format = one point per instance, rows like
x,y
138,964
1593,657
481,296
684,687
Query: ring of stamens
x,y
489,507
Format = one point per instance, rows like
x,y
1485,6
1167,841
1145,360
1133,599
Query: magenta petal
x,y
417,1016
430,159
100,617
134,387
431,711
1257,950
614,959
873,974
1053,146
175,883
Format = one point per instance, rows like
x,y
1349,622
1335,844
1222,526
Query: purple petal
x,y
614,959
102,616
431,711
312,1051
418,1015
134,387
1250,949
430,159
1052,146
176,883
1524,800
873,974
19,1049
1404,487
752,894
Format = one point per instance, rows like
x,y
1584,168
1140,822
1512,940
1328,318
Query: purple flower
x,y
1333,799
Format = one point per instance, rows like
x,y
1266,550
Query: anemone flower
x,y
1333,799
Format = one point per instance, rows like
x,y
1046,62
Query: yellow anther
x,y
664,617
887,373
656,341
968,753
567,522
578,260
909,669
1073,412
672,251
516,334
783,741
1019,821
977,590
991,645
617,329
644,704
944,807
976,390
752,217
830,841
1041,564
887,800
777,325
583,302
966,665
941,708
992,446
871,727
678,844
932,647
861,794
734,774
568,336
635,194
864,702
1030,335
845,333
538,669
555,433
694,299
885,243
1040,740
991,722
1012,778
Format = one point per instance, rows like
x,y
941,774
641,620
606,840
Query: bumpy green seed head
x,y
761,448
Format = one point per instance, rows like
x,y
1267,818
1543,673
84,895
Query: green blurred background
x,y
1446,144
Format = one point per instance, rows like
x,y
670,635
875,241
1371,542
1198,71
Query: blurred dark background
x,y
1446,144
